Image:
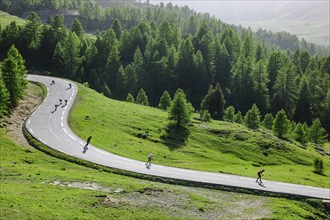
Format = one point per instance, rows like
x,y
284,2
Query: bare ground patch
x,y
26,106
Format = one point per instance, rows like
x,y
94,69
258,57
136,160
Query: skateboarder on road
x,y
148,164
88,140
259,175
53,82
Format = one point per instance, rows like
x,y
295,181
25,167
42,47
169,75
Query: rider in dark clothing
x,y
259,175
88,140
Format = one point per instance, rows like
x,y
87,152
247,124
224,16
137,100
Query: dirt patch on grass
x,y
82,185
26,106
191,203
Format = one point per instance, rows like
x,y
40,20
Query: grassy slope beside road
x,y
34,185
133,131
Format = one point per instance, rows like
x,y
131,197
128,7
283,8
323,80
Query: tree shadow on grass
x,y
175,137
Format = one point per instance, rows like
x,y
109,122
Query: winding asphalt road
x,y
50,127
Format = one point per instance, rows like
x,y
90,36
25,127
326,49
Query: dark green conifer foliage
x,y
180,111
303,111
281,124
299,133
130,98
268,121
229,114
317,134
77,27
4,98
14,75
252,118
142,98
238,118
117,28
165,101
214,102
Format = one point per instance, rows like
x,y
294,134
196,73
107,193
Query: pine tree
x,y
117,28
214,102
112,67
268,121
229,114
180,111
317,134
165,101
32,30
275,63
14,75
299,133
285,90
130,98
142,98
281,124
4,98
252,118
303,111
238,118
242,84
260,78
77,27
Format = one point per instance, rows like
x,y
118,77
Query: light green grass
x,y
34,185
6,19
119,127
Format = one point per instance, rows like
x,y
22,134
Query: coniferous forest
x,y
121,49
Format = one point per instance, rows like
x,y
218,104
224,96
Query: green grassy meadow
x,y
34,185
6,19
134,131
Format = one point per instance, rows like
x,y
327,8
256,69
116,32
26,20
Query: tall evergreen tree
x,y
142,98
299,133
165,101
238,118
268,121
214,102
317,134
261,80
303,111
285,90
130,98
14,75
77,27
112,67
32,30
229,114
252,118
117,28
180,111
281,124
275,63
242,94
4,98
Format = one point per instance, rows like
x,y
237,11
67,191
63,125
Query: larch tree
x,y
142,98
229,113
214,102
252,118
165,101
317,134
180,111
281,124
4,98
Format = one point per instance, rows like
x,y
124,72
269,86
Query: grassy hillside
x,y
6,19
34,185
133,131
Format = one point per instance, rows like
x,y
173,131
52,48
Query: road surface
x,y
49,125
